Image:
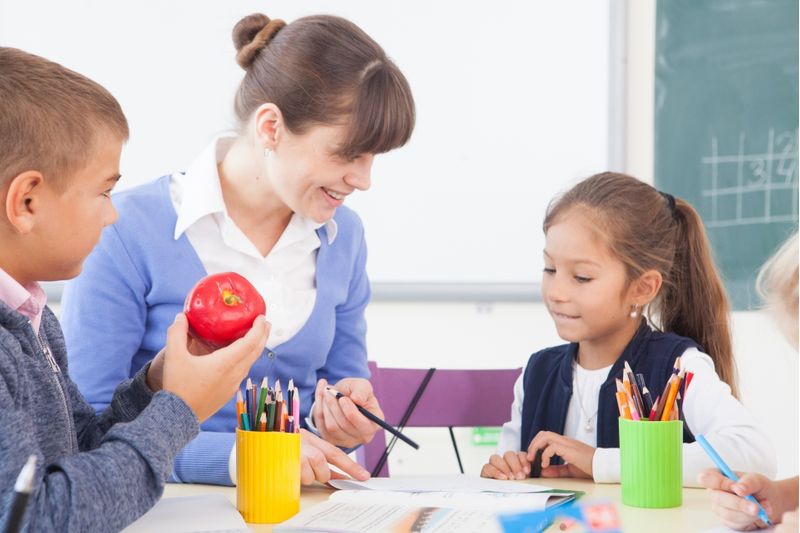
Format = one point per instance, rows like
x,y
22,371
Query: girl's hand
x,y
512,465
338,420
788,523
727,498
576,454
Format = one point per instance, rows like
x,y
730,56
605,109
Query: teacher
x,y
319,99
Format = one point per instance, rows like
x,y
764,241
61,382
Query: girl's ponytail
x,y
693,301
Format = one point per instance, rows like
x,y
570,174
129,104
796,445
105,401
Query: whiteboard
x,y
512,105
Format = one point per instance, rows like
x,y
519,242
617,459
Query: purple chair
x,y
451,398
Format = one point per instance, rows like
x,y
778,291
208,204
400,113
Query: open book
x,y
400,505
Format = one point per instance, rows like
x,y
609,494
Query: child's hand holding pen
x,y
338,420
729,503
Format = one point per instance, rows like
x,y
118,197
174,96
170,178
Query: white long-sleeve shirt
x,y
708,409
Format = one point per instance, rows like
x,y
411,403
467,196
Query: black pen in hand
x,y
22,490
381,423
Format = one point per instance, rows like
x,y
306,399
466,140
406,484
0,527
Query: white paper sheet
x,y
191,514
452,483
335,517
492,502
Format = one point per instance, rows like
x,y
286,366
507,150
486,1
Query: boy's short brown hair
x,y
51,117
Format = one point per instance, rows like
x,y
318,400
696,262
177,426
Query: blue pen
x,y
725,469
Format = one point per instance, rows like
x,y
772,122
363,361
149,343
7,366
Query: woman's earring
x,y
267,152
634,311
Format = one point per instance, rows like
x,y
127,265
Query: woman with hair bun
x,y
319,100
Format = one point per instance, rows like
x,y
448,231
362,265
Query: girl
x,y
619,255
777,284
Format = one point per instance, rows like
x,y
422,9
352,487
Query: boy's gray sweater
x,y
94,472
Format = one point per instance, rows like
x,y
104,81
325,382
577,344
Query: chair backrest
x,y
453,398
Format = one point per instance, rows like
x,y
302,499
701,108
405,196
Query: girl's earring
x,y
267,152
634,311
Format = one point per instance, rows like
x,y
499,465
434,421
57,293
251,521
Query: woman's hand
x,y
338,420
576,454
315,457
727,498
511,465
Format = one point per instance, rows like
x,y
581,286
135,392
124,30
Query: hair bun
x,y
251,34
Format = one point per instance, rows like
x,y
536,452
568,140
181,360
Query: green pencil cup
x,y
651,463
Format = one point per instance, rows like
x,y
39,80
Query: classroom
x,y
514,104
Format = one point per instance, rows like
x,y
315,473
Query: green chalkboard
x,y
726,125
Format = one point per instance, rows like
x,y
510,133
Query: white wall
x,y
488,88
464,335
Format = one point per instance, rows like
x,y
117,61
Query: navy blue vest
x,y
548,384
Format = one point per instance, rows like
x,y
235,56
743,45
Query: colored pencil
x,y
262,397
637,395
653,410
296,409
664,394
686,381
270,415
634,411
648,400
622,404
626,382
278,411
673,391
248,398
622,398
239,407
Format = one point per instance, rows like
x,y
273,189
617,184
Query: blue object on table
x,y
596,517
725,469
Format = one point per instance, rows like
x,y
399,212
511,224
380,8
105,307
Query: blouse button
x,y
271,354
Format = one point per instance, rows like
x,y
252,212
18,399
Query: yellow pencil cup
x,y
267,475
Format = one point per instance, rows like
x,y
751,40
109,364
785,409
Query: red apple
x,y
222,307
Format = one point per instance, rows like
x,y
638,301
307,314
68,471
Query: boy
x,y
60,141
